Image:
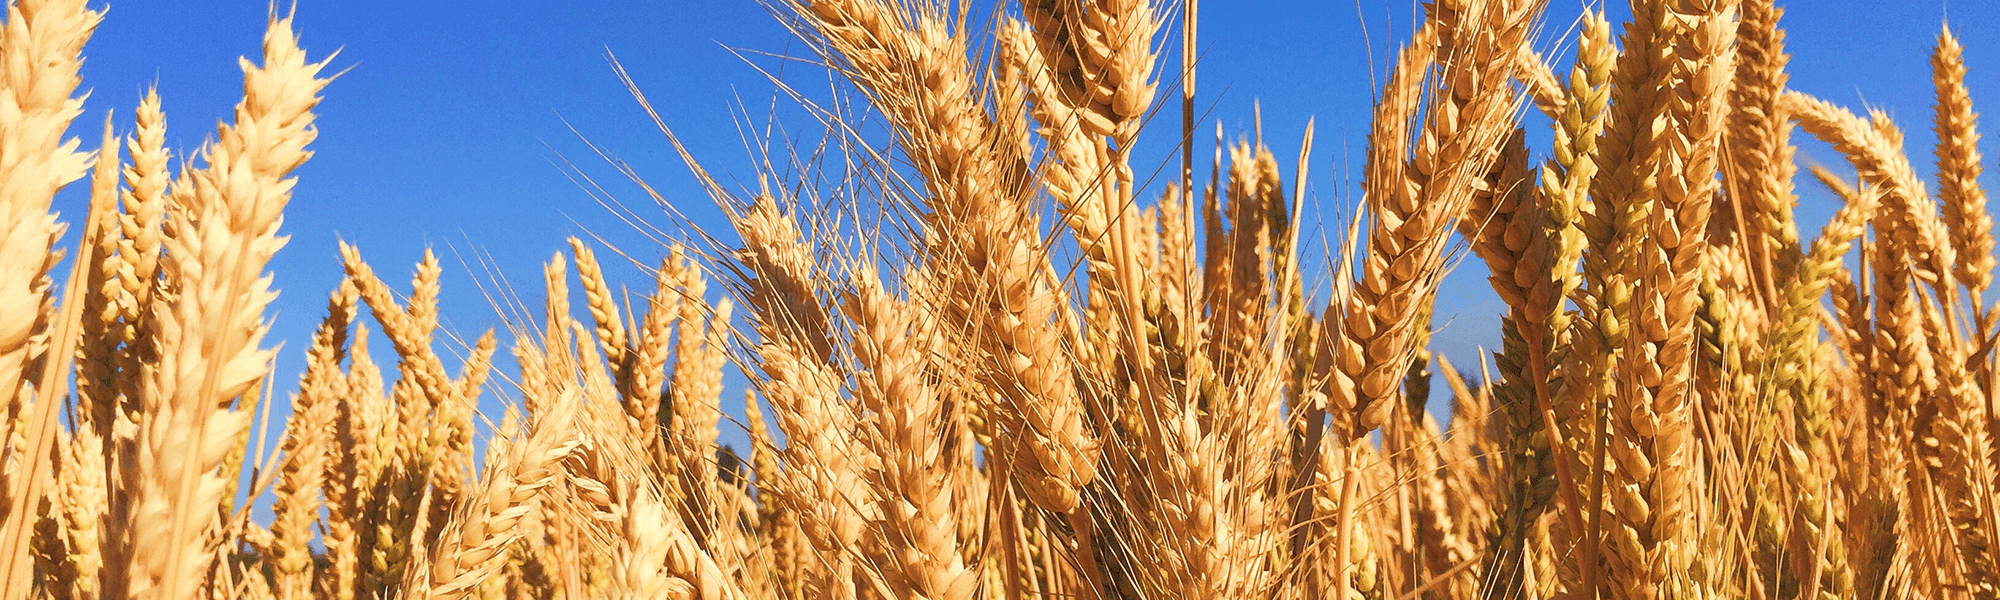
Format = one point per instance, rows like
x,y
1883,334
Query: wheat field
x,y
988,360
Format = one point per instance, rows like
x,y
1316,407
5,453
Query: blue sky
x,y
448,128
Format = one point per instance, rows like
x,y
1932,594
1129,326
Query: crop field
x,y
976,346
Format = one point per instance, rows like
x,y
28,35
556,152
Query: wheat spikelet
x,y
442,433
1346,359
557,348
1114,56
824,488
1212,494
1912,247
478,365
784,291
648,528
1549,92
652,553
1388,147
785,275
359,418
1870,509
451,409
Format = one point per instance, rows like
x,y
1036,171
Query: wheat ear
x,y
487,520
612,337
1961,440
1652,435
1794,375
1759,148
650,350
1959,192
359,417
1908,218
824,460
41,43
307,446
211,327
1963,473
913,433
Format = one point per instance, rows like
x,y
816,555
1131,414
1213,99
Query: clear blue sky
x,y
447,128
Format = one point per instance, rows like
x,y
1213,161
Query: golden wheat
x,y
1136,402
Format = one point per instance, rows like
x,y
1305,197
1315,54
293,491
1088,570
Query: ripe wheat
x,y
1147,399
